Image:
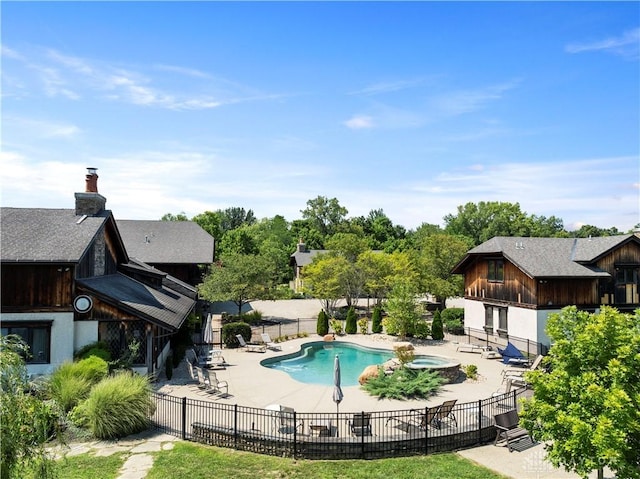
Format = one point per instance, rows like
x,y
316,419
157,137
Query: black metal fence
x,y
284,432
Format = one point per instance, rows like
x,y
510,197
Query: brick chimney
x,y
90,202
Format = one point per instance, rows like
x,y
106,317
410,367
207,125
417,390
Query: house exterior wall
x,y
61,344
85,332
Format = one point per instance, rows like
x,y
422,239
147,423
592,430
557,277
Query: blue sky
x,y
413,108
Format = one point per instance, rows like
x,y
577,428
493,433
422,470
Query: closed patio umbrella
x,y
337,390
207,334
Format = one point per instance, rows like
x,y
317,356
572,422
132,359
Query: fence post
x,y
184,418
362,435
295,434
235,426
479,421
426,432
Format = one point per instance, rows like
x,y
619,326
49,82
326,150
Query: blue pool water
x,y
313,364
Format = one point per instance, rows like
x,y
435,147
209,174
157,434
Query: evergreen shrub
x,y
322,326
437,332
351,324
230,330
376,320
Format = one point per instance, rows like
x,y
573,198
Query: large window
x,y
496,270
488,319
491,313
37,335
626,284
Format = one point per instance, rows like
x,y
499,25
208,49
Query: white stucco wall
x,y
86,332
62,333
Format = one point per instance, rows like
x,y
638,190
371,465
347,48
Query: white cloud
x,y
387,87
466,101
359,122
627,45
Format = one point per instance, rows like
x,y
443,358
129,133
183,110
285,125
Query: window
x,y
496,270
488,319
37,335
626,287
502,320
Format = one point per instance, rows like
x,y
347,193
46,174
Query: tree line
x,y
366,255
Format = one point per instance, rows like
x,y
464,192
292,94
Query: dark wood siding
x,y
579,292
37,287
516,287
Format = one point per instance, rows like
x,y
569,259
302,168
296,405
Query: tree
x,y
351,322
402,308
587,407
325,215
437,332
324,279
484,220
26,421
376,320
438,254
239,278
322,326
171,217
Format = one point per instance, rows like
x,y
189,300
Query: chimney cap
x,y
91,170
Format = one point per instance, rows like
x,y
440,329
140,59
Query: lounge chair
x,y
202,379
445,412
254,348
266,339
287,421
213,360
360,424
517,374
214,385
512,355
424,418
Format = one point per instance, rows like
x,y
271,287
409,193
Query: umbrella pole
x,y
337,419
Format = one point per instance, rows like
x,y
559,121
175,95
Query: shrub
x,y
97,348
322,326
422,330
336,325
452,314
454,327
230,330
390,325
252,317
71,382
376,320
404,383
436,327
118,406
351,323
471,370
405,354
363,325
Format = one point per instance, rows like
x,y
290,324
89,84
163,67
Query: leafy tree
x,y
238,241
436,327
239,278
324,279
322,326
351,322
438,254
402,308
171,217
211,222
305,230
376,320
348,245
587,231
325,215
26,421
587,407
235,217
484,220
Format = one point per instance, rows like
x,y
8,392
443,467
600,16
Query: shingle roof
x,y
165,306
303,258
550,257
166,242
46,235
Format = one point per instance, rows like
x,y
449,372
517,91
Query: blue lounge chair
x,y
512,355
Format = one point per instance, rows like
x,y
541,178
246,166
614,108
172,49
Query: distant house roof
x,y
167,242
549,257
31,235
164,306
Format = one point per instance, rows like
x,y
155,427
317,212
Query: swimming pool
x,y
313,364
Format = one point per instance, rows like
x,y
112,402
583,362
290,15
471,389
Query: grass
x,y
87,466
193,461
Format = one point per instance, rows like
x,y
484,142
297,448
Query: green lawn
x,y
193,461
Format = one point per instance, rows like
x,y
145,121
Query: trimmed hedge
x,y
230,330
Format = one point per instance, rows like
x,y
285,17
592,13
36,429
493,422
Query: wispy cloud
x,y
44,129
75,78
359,122
387,87
466,101
626,45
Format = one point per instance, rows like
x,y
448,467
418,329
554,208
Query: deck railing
x,y
337,435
